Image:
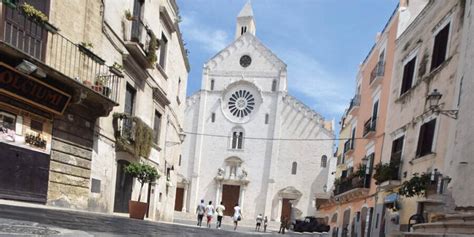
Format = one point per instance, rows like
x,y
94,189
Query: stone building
x,y
107,69
353,208
249,141
426,61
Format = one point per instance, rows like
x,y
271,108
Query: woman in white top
x,y
209,213
237,215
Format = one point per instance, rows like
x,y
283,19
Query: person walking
x,y
200,210
209,213
220,214
265,224
283,225
237,215
259,222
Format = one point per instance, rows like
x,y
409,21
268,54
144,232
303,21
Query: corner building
x,y
249,141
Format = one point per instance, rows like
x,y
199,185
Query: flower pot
x,y
137,210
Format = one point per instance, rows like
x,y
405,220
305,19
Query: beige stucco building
x,y
103,64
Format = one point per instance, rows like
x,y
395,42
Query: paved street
x,y
28,221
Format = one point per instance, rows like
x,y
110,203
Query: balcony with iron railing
x,y
387,175
141,42
377,73
73,64
354,104
349,147
132,135
352,187
369,127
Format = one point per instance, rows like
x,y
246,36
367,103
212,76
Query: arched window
x,y
237,138
274,85
293,168
324,161
212,84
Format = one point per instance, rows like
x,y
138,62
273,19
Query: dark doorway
x,y
230,197
286,208
363,221
24,174
123,188
178,201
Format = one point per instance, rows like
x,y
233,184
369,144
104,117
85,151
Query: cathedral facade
x,y
248,141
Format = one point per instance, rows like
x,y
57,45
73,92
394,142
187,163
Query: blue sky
x,y
322,41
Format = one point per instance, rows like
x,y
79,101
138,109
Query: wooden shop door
x,y
230,196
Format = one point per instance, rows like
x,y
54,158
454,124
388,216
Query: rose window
x,y
241,103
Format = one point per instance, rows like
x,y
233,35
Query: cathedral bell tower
x,y
245,21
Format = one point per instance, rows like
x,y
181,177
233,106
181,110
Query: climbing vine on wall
x,y
135,139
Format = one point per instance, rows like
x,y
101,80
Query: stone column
x,y
218,192
278,212
242,195
185,197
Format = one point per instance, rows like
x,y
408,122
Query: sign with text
x,y
32,90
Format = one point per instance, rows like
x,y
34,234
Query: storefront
x,y
27,108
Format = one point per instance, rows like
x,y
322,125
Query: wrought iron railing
x,y
70,59
355,102
378,71
370,126
348,146
349,184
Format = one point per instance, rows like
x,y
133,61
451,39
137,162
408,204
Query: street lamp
x,y
433,100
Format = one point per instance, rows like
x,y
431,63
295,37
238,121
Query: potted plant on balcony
x,y
145,174
152,47
127,25
37,16
416,186
116,69
101,85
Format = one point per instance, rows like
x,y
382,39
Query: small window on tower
x,y
274,85
267,117
213,117
293,168
212,84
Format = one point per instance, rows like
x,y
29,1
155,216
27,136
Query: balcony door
x,y
22,32
136,24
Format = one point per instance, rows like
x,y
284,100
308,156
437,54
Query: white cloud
x,y
209,39
328,93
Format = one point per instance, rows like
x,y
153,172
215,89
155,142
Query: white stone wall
x,y
104,162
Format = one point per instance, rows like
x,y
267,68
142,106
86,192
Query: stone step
x,y
227,220
445,227
459,218
411,234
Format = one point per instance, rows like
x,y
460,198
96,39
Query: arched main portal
x,y
123,188
288,197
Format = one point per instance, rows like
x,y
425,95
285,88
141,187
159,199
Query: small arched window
x,y
294,167
324,161
237,138
274,85
212,84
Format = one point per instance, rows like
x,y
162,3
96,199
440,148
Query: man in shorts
x,y
220,214
259,222
200,210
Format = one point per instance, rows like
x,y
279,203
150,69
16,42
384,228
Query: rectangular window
x,y
440,47
163,50
212,85
353,138
157,127
7,121
36,125
239,143
129,99
266,118
397,147
408,75
179,161
426,138
179,91
375,114
213,117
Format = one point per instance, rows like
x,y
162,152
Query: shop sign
x,y
32,90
